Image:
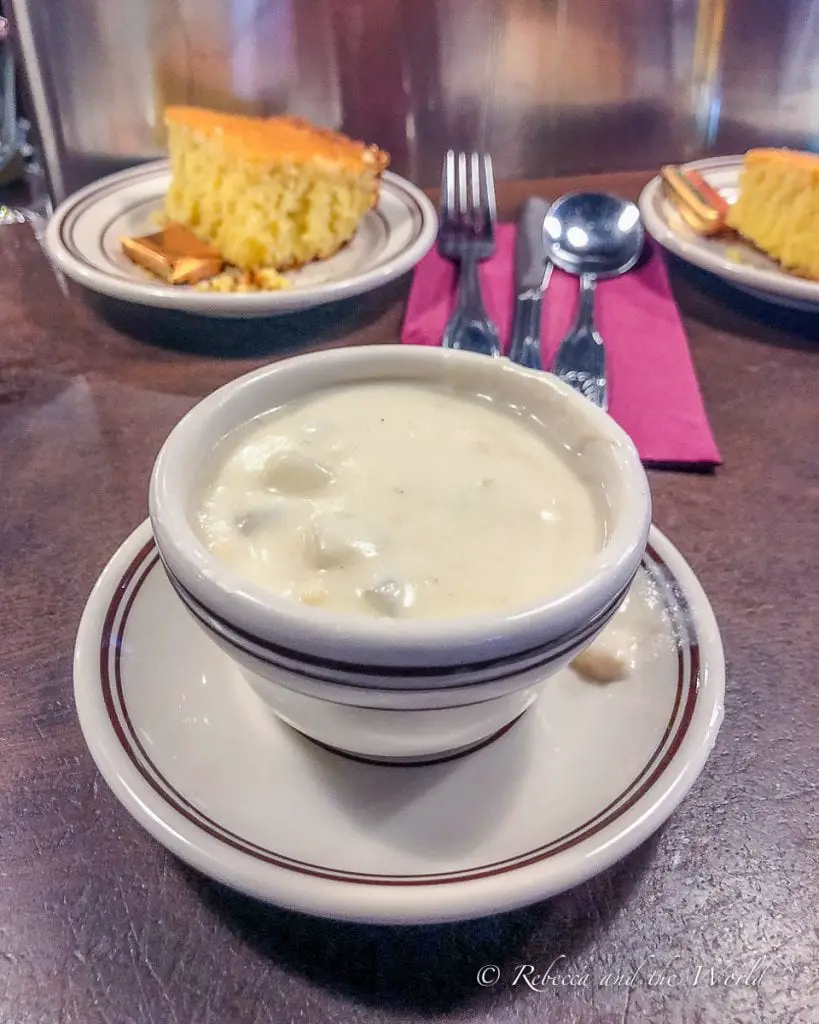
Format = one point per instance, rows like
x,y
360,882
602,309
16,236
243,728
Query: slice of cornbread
x,y
778,207
268,192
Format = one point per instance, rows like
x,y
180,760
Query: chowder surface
x,y
398,499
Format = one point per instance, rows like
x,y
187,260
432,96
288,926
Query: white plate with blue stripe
x,y
84,238
730,258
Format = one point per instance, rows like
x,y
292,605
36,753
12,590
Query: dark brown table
x,y
99,925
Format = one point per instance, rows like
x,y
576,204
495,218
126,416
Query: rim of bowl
x,y
389,641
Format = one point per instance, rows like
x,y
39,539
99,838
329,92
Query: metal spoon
x,y
592,235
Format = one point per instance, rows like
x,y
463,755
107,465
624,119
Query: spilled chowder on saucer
x,y
398,499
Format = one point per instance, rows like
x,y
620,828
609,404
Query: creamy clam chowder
x,y
394,499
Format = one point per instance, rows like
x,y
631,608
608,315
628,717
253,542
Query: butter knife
x,y
532,273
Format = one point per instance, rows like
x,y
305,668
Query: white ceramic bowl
x,y
400,689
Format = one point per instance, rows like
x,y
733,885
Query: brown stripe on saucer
x,y
113,693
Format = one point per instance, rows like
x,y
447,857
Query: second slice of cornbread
x,y
268,192
778,207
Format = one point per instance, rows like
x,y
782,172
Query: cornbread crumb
x,y
778,207
270,280
233,280
272,193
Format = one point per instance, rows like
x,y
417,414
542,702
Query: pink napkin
x,y
654,393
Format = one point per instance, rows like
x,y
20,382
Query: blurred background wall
x,y
548,86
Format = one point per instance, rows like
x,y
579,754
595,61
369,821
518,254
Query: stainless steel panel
x,y
549,86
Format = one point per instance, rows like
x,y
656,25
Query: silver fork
x,y
467,236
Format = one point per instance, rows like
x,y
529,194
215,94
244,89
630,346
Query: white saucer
x,y
733,260
580,780
84,239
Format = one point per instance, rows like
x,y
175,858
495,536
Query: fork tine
x,y
463,194
447,200
490,192
475,182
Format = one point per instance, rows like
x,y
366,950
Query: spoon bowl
x,y
593,233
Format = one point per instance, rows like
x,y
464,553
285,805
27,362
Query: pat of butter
x,y
174,254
